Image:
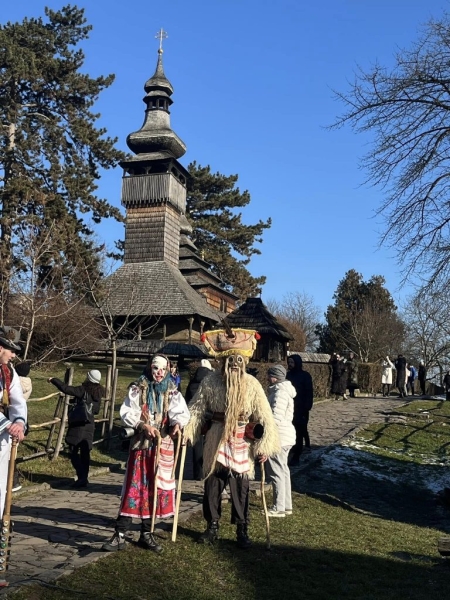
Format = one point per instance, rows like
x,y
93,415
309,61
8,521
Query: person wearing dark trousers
x,y
422,377
203,370
303,401
80,437
400,367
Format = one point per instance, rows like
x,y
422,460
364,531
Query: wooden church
x,y
164,291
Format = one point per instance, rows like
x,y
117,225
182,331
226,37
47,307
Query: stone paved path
x,y
59,530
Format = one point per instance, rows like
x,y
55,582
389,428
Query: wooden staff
x,y
177,453
180,483
6,530
155,482
263,497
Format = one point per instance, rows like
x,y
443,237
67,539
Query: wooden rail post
x,y
107,400
112,404
62,425
58,413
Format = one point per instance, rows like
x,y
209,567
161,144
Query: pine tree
x,y
218,230
51,151
362,320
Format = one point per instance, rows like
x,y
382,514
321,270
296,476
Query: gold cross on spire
x,y
161,35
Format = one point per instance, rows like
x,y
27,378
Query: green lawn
x,y
322,552
423,437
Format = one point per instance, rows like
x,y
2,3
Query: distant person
x,y
386,376
203,370
175,376
422,377
411,379
352,374
338,376
23,370
281,400
303,401
400,381
80,437
446,382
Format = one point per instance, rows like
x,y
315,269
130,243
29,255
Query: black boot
x,y
243,540
147,541
211,534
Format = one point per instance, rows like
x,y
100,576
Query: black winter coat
x,y
194,384
338,376
78,433
302,381
400,367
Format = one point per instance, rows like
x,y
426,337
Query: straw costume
x,y
228,403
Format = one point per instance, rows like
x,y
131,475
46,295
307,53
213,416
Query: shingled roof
x,y
252,314
154,289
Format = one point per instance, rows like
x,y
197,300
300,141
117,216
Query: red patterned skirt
x,y
138,487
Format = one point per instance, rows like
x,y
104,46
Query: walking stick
x,y
6,532
155,482
180,483
177,453
263,497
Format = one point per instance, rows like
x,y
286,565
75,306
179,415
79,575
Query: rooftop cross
x,y
161,35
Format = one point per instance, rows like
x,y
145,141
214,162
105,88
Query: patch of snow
x,y
353,458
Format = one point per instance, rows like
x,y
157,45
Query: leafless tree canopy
x,y
427,319
300,315
407,110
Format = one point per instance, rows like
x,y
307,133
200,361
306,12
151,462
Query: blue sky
x,y
253,83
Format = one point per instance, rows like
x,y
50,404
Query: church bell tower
x,y
154,182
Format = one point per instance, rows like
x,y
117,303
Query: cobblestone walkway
x,y
60,529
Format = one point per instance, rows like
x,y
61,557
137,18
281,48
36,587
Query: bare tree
x,y
45,303
407,110
427,319
126,324
300,315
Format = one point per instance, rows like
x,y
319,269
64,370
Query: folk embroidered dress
x,y
140,407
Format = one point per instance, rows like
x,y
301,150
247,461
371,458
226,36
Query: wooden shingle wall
x,y
152,234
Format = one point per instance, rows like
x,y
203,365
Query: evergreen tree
x,y
362,320
50,148
218,230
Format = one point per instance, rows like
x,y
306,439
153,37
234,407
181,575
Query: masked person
x,y
13,407
229,401
153,407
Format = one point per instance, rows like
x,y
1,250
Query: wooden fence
x,y
58,425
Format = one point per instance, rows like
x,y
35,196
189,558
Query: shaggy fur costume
x,y
211,396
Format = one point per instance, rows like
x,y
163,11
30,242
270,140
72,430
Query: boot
x,y
147,541
211,534
117,542
242,538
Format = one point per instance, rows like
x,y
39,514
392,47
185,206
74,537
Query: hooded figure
x,y
303,401
154,408
203,371
226,403
80,437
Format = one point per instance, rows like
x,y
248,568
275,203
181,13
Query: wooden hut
x,y
253,314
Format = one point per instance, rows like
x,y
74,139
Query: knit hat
x,y
94,376
23,369
205,363
277,371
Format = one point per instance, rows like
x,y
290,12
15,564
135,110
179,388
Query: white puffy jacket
x,y
281,400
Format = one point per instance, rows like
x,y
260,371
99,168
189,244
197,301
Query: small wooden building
x,y
253,314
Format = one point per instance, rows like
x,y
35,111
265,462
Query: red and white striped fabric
x,y
233,454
